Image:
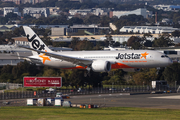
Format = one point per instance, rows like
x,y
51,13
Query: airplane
x,y
97,61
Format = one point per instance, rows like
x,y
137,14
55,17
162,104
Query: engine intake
x,y
101,66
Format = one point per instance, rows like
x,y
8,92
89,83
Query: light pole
x,y
112,86
117,88
101,87
175,84
98,87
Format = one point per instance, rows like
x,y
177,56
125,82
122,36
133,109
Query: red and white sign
x,y
42,82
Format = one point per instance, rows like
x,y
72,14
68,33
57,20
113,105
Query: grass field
x,y
116,113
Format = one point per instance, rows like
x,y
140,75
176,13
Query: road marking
x,y
168,97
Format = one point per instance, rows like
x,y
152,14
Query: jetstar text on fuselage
x,y
130,56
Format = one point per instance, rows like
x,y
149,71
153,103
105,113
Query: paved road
x,y
164,101
168,101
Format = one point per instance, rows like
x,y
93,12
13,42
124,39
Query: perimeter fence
x,y
87,91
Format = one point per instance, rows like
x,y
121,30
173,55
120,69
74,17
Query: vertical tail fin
x,y
34,41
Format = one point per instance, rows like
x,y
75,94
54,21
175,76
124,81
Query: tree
x,y
109,40
77,78
84,45
76,44
12,16
95,79
152,74
28,16
39,22
61,44
140,78
147,35
175,33
116,44
129,20
171,73
6,77
135,42
114,76
18,31
65,74
148,43
24,67
162,41
145,76
134,18
7,69
50,73
3,20
92,19
160,74
75,20
104,22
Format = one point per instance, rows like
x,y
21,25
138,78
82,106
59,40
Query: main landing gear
x,y
87,72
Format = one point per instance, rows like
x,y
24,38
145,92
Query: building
x,y
94,11
125,38
87,30
167,7
23,41
112,26
32,1
147,29
79,11
11,9
167,21
81,1
10,86
54,10
6,57
36,12
4,28
18,2
58,31
43,26
141,11
101,11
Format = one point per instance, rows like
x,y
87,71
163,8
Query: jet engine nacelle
x,y
131,69
101,66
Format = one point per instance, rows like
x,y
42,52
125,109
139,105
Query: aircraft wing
x,y
78,61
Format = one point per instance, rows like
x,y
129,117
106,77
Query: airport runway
x,y
161,101
166,101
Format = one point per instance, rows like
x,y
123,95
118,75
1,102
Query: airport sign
x,y
42,82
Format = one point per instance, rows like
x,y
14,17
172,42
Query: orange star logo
x,y
44,57
144,55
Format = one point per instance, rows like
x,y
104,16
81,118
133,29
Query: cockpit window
x,y
164,56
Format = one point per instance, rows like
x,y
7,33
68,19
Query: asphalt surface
x,y
162,101
167,101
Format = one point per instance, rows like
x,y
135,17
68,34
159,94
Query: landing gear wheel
x,y
87,73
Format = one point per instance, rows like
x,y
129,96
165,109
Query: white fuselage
x,y
118,59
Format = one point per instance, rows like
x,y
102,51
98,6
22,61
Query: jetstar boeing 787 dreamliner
x,y
98,61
